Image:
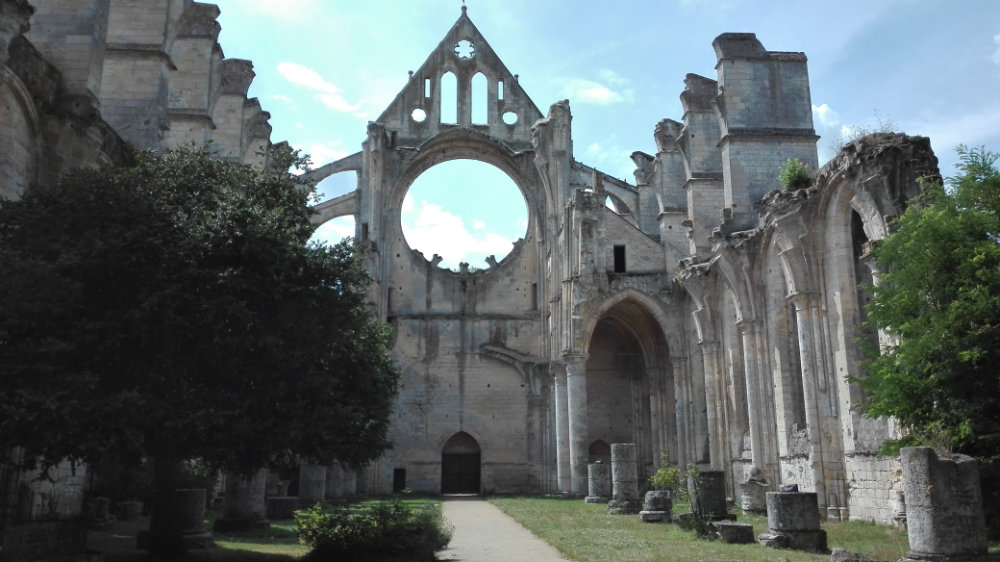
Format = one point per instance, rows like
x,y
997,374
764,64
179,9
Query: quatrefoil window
x,y
465,49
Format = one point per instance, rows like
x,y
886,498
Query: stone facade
x,y
709,313
701,310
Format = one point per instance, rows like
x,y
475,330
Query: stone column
x,y
562,428
576,390
716,421
334,481
599,483
312,484
810,395
944,506
245,509
748,331
624,480
708,494
350,482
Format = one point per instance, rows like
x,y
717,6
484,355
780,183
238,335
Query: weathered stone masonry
x,y
708,314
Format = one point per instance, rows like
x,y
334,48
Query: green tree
x,y
938,303
938,298
175,309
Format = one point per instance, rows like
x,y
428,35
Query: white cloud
x,y
587,91
826,116
329,94
478,225
611,158
325,153
612,77
431,229
996,54
948,131
335,230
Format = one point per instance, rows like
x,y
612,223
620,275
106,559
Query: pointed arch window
x,y
480,99
449,98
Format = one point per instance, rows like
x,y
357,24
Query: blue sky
x,y
326,67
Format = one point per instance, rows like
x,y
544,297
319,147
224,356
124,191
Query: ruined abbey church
x,y
703,310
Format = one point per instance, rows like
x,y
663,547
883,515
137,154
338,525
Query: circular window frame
x,y
470,150
465,44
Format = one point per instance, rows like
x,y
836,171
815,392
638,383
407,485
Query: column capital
x,y
801,299
748,326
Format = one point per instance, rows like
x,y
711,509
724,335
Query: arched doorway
x,y
460,461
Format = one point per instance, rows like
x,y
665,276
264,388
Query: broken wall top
x,y
463,55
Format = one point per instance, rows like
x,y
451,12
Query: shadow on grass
x,y
281,545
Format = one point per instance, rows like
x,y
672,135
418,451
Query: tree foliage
x,y
174,309
938,303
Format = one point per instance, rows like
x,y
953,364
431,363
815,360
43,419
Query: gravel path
x,y
483,533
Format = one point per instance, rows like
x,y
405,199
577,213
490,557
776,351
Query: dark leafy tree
x,y
175,309
938,302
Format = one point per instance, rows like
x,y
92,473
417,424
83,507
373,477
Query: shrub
x,y
667,477
383,530
794,174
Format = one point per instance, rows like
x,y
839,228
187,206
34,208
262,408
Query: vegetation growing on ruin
x,y
794,174
173,309
937,306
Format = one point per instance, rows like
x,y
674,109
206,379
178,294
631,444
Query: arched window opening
x,y
449,98
335,230
480,99
464,211
336,185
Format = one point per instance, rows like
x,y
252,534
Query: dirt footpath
x,y
483,533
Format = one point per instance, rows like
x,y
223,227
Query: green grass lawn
x,y
585,532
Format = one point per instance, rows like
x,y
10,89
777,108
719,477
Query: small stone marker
x,y
598,483
624,480
312,484
793,521
245,509
708,495
658,506
753,492
128,510
282,507
732,532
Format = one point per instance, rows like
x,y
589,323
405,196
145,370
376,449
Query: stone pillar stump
x,y
245,510
793,521
312,484
624,480
707,490
944,506
658,505
598,483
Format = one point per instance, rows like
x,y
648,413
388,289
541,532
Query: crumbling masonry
x,y
710,313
